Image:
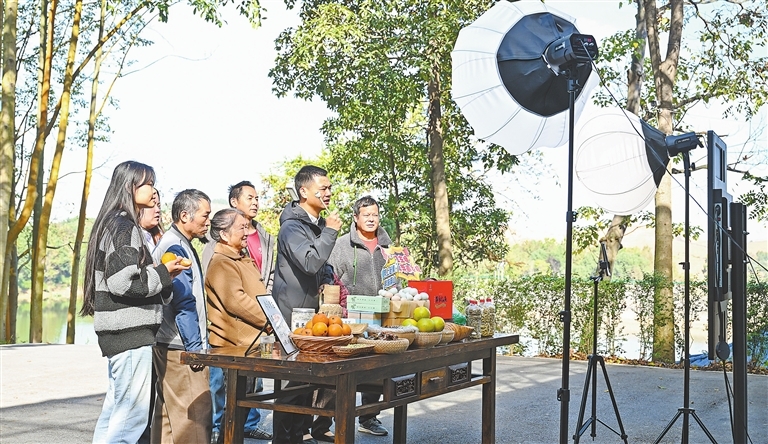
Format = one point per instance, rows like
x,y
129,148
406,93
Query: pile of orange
x,y
323,325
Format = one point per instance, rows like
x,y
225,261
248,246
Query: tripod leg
x,y
669,426
701,424
613,400
580,426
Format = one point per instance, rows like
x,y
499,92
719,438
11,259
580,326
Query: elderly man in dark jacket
x,y
357,261
304,244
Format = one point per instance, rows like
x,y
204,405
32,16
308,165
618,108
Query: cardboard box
x,y
440,296
364,317
375,304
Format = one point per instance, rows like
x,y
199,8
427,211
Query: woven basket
x,y
408,333
426,340
348,352
358,329
461,331
386,347
447,337
319,344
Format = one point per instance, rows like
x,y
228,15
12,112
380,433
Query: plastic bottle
x,y
474,318
488,318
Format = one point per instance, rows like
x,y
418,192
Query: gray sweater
x,y
357,267
128,287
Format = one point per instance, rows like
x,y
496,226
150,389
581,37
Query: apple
x,y
439,323
426,325
421,313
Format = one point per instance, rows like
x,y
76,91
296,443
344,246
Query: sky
x,y
198,106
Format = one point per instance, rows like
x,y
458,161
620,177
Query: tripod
x,y
594,359
684,411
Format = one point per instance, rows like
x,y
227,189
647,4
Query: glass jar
x,y
474,319
300,317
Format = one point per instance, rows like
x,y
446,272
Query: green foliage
x,y
547,256
371,63
757,199
58,262
757,323
531,305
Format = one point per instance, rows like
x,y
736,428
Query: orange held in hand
x,y
168,257
320,329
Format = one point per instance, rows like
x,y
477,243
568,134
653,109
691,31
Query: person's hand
x,y
175,267
333,221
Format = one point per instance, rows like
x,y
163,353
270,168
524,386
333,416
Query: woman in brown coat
x,y
232,282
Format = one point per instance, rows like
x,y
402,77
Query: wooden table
x,y
402,378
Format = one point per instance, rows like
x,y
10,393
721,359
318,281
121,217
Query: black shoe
x,y
257,433
372,426
324,437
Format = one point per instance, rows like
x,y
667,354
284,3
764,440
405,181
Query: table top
x,y
332,364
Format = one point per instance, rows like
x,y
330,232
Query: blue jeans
x,y
218,395
125,412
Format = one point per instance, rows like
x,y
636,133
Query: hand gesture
x,y
333,221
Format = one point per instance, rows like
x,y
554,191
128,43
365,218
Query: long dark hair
x,y
127,177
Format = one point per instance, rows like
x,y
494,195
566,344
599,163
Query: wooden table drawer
x,y
434,380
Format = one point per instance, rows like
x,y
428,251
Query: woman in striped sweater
x,y
124,293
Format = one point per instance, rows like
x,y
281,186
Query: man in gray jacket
x,y
357,261
182,411
304,244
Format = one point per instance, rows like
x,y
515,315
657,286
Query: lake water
x,y
55,324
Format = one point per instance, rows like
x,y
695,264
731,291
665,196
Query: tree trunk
x,y
13,296
92,116
36,327
664,73
7,147
440,188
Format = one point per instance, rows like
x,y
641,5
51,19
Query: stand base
x,y
582,427
685,411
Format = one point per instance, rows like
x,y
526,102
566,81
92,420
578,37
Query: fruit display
x,y
324,325
424,321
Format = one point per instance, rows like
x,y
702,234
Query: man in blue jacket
x,y
183,407
304,244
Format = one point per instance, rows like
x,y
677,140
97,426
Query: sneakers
x,y
257,433
372,426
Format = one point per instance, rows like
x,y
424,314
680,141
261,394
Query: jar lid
x,y
304,310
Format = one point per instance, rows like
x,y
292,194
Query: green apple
x,y
421,313
426,325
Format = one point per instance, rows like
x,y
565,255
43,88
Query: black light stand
x,y
685,411
594,359
564,394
